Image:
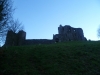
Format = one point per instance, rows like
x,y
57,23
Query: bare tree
x,y
15,26
6,19
6,12
98,32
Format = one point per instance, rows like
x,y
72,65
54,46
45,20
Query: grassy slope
x,y
71,58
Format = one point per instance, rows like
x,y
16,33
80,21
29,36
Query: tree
x,y
6,20
98,32
6,12
15,26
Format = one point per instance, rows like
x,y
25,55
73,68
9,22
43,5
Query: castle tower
x,y
21,37
68,33
60,29
11,38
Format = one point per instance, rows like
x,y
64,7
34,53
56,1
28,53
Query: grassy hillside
x,y
70,58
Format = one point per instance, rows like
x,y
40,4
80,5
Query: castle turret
x,y
11,38
21,37
60,29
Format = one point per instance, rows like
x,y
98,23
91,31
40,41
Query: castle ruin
x,y
68,33
65,33
15,39
19,39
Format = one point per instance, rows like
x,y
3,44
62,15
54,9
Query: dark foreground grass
x,y
71,58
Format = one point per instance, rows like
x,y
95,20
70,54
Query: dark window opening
x,y
56,40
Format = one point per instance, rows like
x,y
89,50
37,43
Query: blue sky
x,y
41,18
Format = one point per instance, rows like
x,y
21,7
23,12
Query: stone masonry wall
x,y
18,39
68,33
15,39
65,33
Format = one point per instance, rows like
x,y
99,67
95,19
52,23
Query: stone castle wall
x,y
15,39
18,39
68,33
38,41
65,33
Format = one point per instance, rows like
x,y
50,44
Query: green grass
x,y
69,58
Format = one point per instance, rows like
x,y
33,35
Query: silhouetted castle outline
x,y
65,33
